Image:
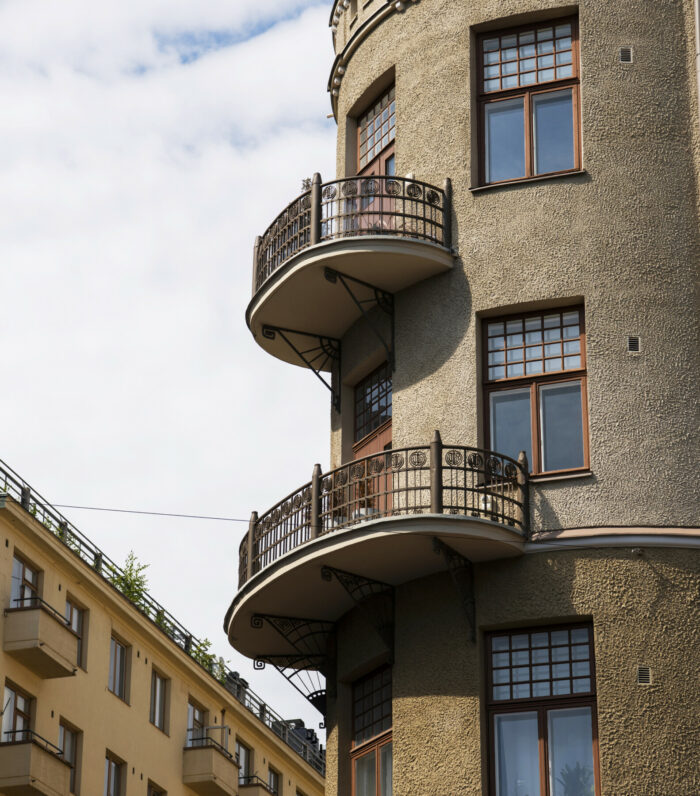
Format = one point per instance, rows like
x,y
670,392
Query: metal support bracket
x,y
461,571
379,613
305,672
316,358
379,298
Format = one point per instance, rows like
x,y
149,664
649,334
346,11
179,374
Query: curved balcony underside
x,y
391,550
340,248
299,296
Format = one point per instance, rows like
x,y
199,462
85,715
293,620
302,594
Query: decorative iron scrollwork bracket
x,y
360,589
294,668
378,298
461,571
316,358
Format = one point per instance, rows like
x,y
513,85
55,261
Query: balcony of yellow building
x,y
32,766
39,637
208,768
336,251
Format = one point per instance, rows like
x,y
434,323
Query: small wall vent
x,y
626,55
634,344
643,675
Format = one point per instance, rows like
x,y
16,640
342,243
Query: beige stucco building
x,y
104,693
508,255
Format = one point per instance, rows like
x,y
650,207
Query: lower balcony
x,y
379,521
208,768
253,786
38,636
30,766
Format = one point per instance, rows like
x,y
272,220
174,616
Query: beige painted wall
x,y
623,237
105,720
644,610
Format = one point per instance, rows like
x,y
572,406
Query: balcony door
x,y
372,410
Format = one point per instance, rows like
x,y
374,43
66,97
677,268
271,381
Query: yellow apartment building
x,y
105,694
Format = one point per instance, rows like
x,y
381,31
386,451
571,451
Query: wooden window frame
x,y
389,145
112,762
244,772
155,790
273,773
159,712
387,376
72,610
527,92
196,707
119,689
534,382
64,727
372,743
23,601
541,706
17,712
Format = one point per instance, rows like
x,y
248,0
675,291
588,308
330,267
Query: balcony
x,y
377,233
208,768
38,636
383,518
31,765
253,786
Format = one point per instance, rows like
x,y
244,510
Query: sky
x,y
143,146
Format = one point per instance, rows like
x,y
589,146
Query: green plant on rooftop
x,y
131,580
214,664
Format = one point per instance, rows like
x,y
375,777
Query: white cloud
x,y
128,207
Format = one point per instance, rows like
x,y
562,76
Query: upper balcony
x,y
387,519
339,248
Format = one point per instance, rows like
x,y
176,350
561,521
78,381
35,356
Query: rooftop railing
x,y
424,479
356,206
55,523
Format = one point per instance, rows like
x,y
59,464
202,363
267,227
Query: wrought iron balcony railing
x,y
427,479
352,207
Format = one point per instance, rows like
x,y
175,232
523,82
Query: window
x,y
372,753
117,668
68,740
75,617
16,715
245,762
541,706
114,776
528,97
196,724
376,129
535,381
24,591
159,696
373,401
154,790
274,781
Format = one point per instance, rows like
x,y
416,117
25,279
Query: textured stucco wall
x,y
644,610
623,236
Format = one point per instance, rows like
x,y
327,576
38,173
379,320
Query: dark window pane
x,y
366,775
505,140
510,423
562,426
553,130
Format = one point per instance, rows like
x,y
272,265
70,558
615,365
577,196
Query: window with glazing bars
x,y
371,755
376,129
528,100
24,589
542,712
68,739
373,401
75,618
16,715
535,382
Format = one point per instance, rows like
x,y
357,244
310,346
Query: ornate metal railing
x,y
424,479
355,206
13,485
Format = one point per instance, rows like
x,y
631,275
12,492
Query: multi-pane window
x,y
75,618
372,720
117,668
114,774
536,388
16,715
541,706
528,88
373,401
159,690
24,589
196,724
376,129
244,757
274,781
68,744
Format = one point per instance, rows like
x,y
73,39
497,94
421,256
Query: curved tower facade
x,y
495,588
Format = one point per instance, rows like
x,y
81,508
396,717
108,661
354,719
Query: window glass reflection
x,y
570,752
553,131
562,426
505,140
510,422
517,757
